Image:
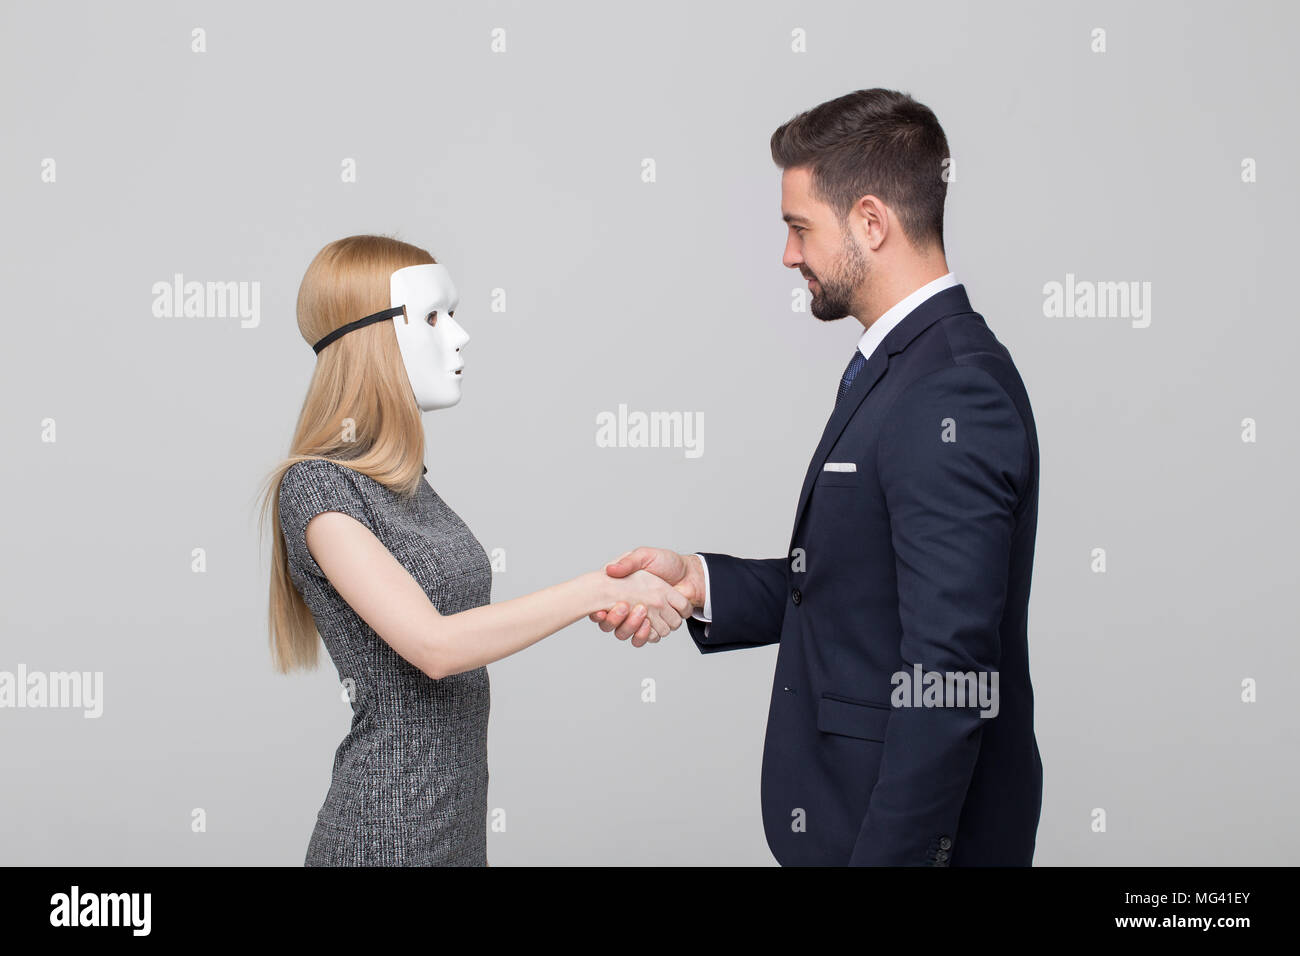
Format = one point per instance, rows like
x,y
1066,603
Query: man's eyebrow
x,y
792,217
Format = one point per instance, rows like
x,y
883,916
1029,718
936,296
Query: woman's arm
x,y
386,597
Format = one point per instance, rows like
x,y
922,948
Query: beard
x,y
838,286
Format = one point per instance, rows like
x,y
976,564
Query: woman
x,y
370,556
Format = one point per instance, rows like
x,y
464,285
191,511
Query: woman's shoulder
x,y
313,477
314,485
319,470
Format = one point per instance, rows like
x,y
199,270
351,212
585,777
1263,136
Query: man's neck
x,y
895,286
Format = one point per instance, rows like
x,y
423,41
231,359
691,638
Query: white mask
x,y
430,352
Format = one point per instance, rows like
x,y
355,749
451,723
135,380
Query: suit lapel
x,y
950,301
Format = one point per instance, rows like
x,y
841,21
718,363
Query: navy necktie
x,y
850,373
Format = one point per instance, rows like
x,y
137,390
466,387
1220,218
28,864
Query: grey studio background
x,y
522,170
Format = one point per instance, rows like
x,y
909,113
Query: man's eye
x,y
433,318
452,314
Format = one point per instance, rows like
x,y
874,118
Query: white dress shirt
x,y
872,336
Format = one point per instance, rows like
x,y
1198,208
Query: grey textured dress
x,y
409,782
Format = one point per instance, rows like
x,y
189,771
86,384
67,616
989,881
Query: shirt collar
x,y
874,334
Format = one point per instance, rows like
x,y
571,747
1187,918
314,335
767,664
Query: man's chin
x,y
827,316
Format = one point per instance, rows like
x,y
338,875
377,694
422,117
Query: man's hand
x,y
683,571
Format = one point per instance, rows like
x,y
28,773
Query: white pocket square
x,y
839,466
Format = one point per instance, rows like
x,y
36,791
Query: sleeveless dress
x,y
409,781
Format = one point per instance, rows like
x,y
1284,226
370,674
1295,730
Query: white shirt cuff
x,y
705,613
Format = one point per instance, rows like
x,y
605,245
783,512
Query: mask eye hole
x,y
452,313
432,317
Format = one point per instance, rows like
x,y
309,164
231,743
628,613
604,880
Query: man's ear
x,y
874,219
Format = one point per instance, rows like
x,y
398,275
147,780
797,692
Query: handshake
x,y
653,590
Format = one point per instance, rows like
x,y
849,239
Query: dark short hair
x,y
877,142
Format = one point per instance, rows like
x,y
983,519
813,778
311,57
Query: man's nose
x,y
791,258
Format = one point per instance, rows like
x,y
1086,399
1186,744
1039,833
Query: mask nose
x,y
457,332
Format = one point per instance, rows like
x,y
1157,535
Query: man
x,y
904,594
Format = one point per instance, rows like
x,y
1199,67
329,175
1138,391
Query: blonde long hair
x,y
359,409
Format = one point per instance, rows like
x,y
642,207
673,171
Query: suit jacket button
x,y
796,596
945,843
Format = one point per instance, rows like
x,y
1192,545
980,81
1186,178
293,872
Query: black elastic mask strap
x,y
358,324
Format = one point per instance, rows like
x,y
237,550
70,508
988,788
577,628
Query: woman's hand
x,y
663,604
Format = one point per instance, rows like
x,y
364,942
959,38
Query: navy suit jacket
x,y
921,557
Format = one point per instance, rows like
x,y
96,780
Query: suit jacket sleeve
x,y
747,598
952,460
